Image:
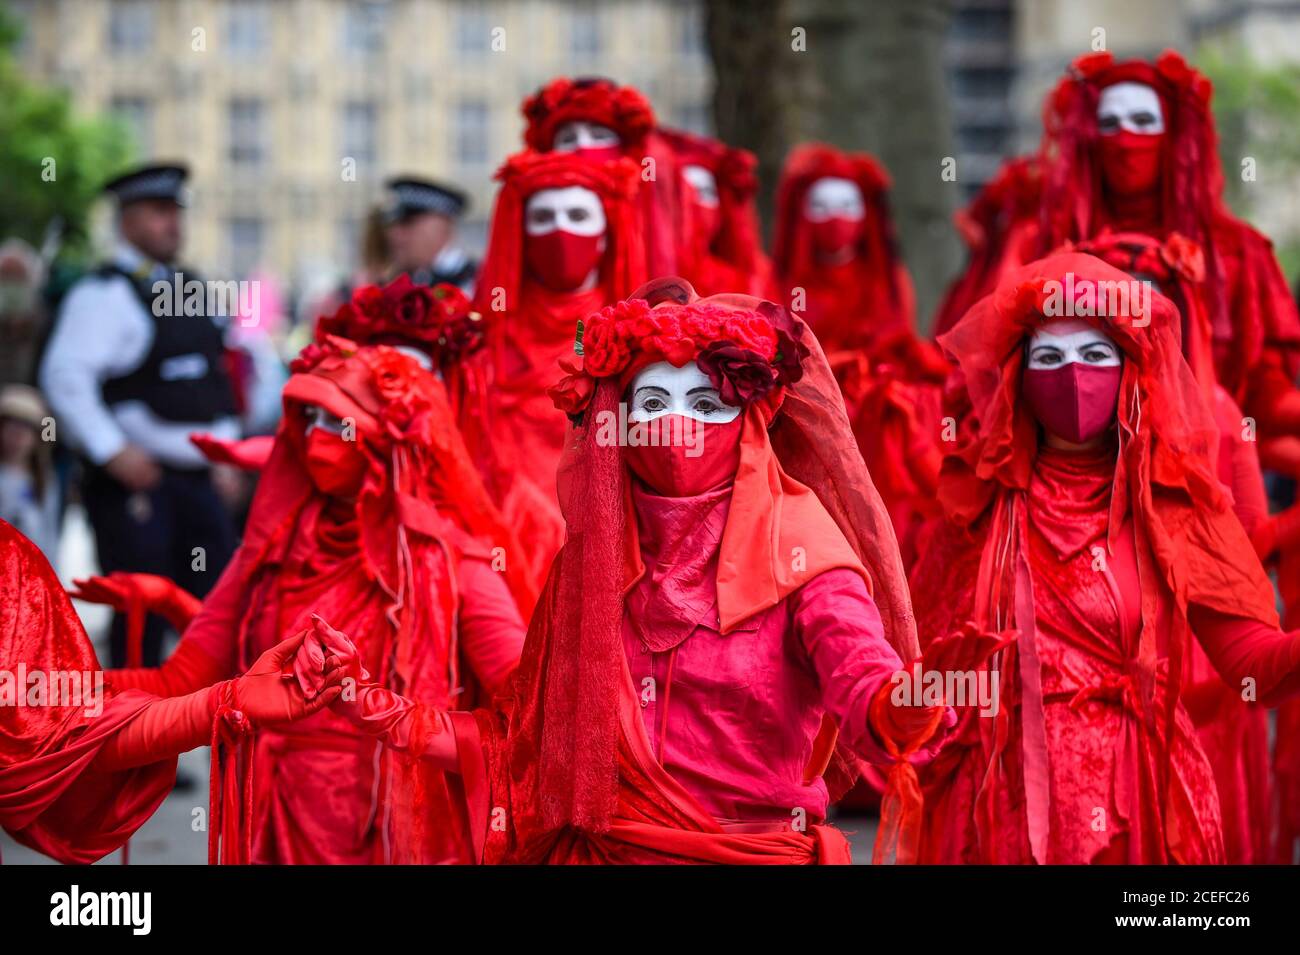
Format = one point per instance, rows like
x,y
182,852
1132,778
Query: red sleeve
x,y
840,628
1243,649
163,729
215,630
491,630
189,668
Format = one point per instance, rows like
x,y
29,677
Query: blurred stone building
x,y
291,112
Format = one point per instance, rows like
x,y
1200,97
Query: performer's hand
x,y
153,593
324,651
270,693
964,650
250,454
134,468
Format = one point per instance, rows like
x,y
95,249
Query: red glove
x,y
375,710
250,454
271,692
154,594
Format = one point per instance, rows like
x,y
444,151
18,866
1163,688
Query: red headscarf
x,y
1190,546
799,474
878,300
730,259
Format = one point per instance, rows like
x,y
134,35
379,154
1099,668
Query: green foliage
x,y
1257,112
52,161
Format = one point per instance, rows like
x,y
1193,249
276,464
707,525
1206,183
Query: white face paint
x,y
573,209
663,388
833,197
318,417
705,186
1132,107
1071,340
579,134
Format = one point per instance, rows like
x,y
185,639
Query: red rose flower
x,y
572,393
604,350
740,375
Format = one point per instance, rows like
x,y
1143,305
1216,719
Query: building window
x,y
473,33
584,35
245,238
472,132
247,140
363,28
130,26
248,26
136,114
360,131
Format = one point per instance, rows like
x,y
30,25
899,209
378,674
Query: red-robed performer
x,y
368,510
593,118
837,265
999,227
834,252
1084,511
720,249
83,765
565,240
1233,732
724,603
1131,146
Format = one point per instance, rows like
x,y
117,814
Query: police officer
x,y
420,228
130,375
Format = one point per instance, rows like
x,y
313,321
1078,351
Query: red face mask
x,y
336,467
672,471
1131,162
598,153
561,260
707,221
1075,401
836,234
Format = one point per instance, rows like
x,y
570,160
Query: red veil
x,y
864,303
1191,548
732,260
1252,314
561,745
626,111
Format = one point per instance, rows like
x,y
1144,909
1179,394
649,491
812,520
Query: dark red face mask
x,y
706,460
1075,401
1131,162
707,221
835,234
562,260
335,466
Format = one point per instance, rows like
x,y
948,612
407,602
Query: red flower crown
x,y
744,354
621,108
438,321
398,380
